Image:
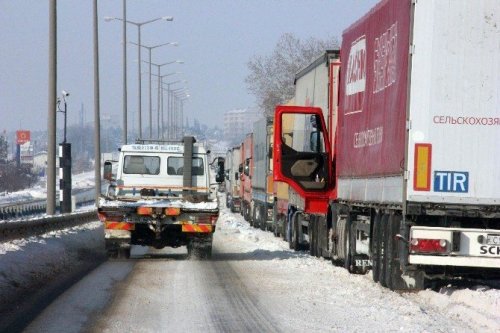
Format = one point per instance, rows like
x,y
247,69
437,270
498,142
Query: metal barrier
x,y
10,211
39,226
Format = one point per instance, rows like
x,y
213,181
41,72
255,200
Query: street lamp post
x,y
162,101
180,113
181,109
175,116
150,48
160,95
170,117
139,25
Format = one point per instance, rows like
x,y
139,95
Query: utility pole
x,y
51,117
124,138
97,121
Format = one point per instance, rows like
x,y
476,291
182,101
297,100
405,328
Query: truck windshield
x,y
146,165
175,166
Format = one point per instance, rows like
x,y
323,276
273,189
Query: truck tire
x,y
340,243
246,213
200,248
383,250
119,253
375,247
293,242
276,231
253,220
311,230
262,217
349,245
334,241
124,253
322,234
394,274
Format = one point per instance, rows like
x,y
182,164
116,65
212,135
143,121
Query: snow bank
x,y
362,304
27,264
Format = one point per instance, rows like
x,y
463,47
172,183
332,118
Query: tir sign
x,y
451,181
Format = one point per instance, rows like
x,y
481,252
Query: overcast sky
x,y
216,39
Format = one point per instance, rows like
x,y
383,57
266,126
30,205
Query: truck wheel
x,y
383,250
112,254
334,237
253,219
340,244
200,248
284,228
376,247
245,213
312,236
262,217
276,231
123,253
394,274
349,245
206,252
293,242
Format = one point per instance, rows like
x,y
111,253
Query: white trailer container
x,y
233,161
454,128
262,186
419,136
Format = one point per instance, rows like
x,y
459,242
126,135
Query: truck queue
x,y
360,167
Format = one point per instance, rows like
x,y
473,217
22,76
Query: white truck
x,y
161,196
233,161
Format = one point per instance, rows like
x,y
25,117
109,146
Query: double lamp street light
x,y
139,26
150,49
160,95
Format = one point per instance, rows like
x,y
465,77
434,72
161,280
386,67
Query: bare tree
x,y
271,77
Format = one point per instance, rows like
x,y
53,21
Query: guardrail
x,y
39,226
31,207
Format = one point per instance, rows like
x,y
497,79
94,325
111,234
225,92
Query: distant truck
x,y
406,182
161,196
246,173
262,176
232,164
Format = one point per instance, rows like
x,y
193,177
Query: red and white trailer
x,y
412,174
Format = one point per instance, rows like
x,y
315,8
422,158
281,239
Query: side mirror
x,y
236,176
219,178
108,171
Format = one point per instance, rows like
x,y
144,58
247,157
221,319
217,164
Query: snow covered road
x,y
254,283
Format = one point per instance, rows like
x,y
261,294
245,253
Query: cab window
x,y
175,166
144,165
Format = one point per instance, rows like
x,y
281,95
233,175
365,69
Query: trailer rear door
x,y
454,111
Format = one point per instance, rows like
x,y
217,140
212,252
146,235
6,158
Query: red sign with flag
x,y
23,136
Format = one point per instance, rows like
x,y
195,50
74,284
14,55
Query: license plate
x,y
493,240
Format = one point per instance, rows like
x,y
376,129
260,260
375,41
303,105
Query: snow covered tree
x,y
271,77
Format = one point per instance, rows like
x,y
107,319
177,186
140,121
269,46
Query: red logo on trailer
x,y
23,136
